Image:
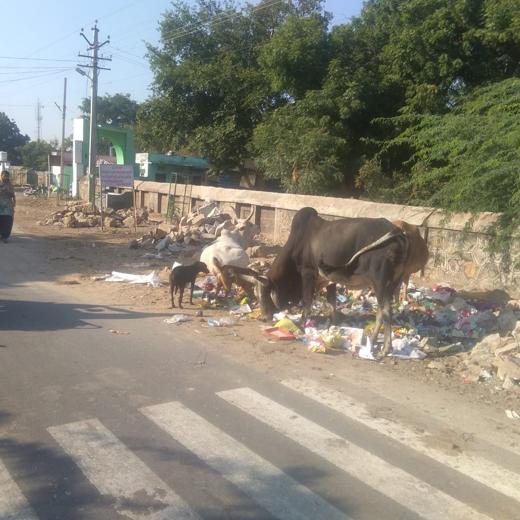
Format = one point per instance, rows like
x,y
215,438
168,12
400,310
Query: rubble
x,y
82,215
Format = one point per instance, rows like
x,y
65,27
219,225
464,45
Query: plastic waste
x,y
276,333
149,279
222,322
287,324
240,309
177,318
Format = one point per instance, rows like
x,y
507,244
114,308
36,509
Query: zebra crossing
x,y
135,491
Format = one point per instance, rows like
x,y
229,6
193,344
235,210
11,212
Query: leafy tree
x,y
117,109
300,145
466,160
11,138
296,58
209,90
35,154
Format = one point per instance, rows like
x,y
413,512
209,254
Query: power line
x,y
180,33
52,69
32,59
34,77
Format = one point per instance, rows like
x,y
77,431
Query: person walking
x,y
7,205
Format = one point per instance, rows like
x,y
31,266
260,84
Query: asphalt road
x,y
156,425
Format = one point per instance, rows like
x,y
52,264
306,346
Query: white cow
x,y
229,249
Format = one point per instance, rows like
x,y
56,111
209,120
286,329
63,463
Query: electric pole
x,y
39,118
63,110
93,49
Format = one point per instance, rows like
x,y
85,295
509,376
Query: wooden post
x,y
135,209
100,202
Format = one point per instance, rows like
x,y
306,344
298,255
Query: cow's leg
x,y
308,283
377,327
171,296
331,299
386,316
406,279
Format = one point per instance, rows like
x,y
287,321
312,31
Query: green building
x,y
165,168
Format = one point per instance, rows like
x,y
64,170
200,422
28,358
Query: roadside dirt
x,y
74,257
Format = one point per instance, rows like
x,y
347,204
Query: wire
x,y
32,71
32,59
180,34
131,62
33,77
126,52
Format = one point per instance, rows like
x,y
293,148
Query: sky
x,y
40,46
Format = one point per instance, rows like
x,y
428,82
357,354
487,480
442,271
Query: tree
x,y
35,154
209,90
301,145
296,58
11,138
466,160
118,109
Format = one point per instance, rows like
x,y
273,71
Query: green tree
x,y
299,144
35,154
466,160
11,138
209,90
117,109
296,58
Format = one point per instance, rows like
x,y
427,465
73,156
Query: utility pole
x,y
93,49
39,118
63,110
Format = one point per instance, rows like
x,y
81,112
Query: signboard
x,y
116,175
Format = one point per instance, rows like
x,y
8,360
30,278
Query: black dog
x,y
182,275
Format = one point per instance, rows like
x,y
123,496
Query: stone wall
x,y
458,244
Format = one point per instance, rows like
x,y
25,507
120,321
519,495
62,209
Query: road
x,y
154,424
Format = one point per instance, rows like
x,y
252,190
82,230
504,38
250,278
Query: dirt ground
x,y
74,257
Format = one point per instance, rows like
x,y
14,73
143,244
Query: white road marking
x,y
395,483
269,487
477,468
13,505
116,472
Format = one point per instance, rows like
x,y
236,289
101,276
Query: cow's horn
x,y
274,297
233,213
250,214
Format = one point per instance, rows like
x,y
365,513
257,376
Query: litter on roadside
x,y
240,309
176,319
222,322
276,333
148,279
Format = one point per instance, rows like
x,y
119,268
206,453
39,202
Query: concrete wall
x,y
458,244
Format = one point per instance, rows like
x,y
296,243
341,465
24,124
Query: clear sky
x,y
41,41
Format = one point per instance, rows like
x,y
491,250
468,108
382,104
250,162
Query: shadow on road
x,y
54,486
23,315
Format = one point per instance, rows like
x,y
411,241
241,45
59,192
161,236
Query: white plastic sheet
x,y
148,279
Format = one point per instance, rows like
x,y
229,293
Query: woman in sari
x,y
7,205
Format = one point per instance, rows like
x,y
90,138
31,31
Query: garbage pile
x,y
81,215
482,335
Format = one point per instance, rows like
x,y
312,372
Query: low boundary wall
x,y
458,243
